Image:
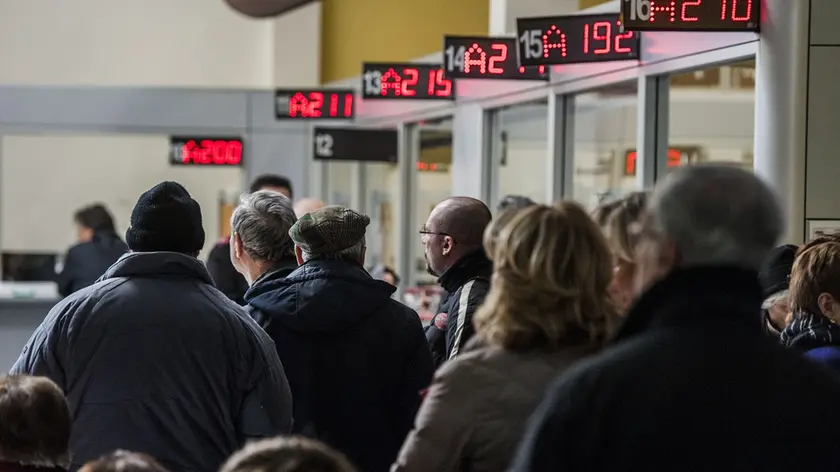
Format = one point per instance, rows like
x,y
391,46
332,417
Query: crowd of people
x,y
664,331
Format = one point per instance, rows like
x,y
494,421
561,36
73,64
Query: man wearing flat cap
x,y
356,359
154,358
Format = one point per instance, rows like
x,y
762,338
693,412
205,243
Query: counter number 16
x,y
639,9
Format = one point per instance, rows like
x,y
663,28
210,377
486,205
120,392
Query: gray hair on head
x,y
354,253
717,215
262,221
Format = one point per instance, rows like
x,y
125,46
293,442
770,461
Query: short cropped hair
x,y
124,461
716,215
271,180
816,270
262,221
95,217
35,422
287,454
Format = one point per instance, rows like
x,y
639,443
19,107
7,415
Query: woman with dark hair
x,y
99,246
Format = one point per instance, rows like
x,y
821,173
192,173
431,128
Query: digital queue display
x,y
467,57
405,81
691,15
575,39
205,151
314,104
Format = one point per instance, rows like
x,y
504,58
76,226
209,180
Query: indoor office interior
x,y
706,114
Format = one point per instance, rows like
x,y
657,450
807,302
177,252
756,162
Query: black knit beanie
x,y
774,274
166,218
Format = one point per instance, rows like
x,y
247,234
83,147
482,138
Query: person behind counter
x,y
99,246
227,279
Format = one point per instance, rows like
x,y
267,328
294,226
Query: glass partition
x,y
519,152
381,190
604,143
340,177
712,116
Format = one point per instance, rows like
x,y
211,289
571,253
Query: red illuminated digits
x,y
316,101
746,16
187,151
219,152
298,105
687,17
206,153
391,80
348,105
623,49
410,81
560,41
494,69
234,153
333,104
606,37
470,60
666,7
442,82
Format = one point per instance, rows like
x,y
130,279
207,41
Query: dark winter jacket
x,y
356,359
465,285
154,359
86,262
693,384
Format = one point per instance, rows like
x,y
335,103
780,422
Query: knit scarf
x,y
808,331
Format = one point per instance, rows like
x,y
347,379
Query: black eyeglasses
x,y
425,232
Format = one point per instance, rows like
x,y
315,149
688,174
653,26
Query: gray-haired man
x,y
356,359
693,383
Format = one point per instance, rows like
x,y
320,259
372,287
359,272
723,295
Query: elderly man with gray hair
x,y
692,382
356,359
260,246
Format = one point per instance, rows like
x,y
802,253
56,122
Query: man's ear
x,y
828,306
299,255
448,245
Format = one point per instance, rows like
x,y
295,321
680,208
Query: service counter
x,y
22,308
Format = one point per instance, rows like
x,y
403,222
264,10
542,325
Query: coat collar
x,y
472,265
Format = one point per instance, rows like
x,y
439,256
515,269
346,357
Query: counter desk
x,y
18,320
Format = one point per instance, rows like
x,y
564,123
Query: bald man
x,y
452,240
308,205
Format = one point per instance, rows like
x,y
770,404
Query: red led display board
x,y
406,81
205,151
486,58
691,15
574,39
314,104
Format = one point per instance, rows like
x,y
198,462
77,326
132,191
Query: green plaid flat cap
x,y
329,230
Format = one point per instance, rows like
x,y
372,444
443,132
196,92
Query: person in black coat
x,y
153,359
99,246
356,359
453,250
692,382
224,274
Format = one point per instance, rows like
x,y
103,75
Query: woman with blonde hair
x,y
548,306
617,219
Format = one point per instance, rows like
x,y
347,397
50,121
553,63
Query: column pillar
x,y
781,107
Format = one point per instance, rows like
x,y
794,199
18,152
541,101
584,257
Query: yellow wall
x,y
355,31
590,3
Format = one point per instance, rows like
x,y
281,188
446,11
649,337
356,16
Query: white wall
x,y
296,45
44,179
199,43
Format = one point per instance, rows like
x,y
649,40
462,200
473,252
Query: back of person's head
x,y
124,461
551,272
166,218
276,183
308,205
332,232
617,220
454,229
260,226
95,217
714,215
35,422
514,202
287,454
815,278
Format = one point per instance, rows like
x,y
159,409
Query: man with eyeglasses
x,y
452,241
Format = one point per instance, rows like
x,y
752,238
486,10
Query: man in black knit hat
x,y
153,358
